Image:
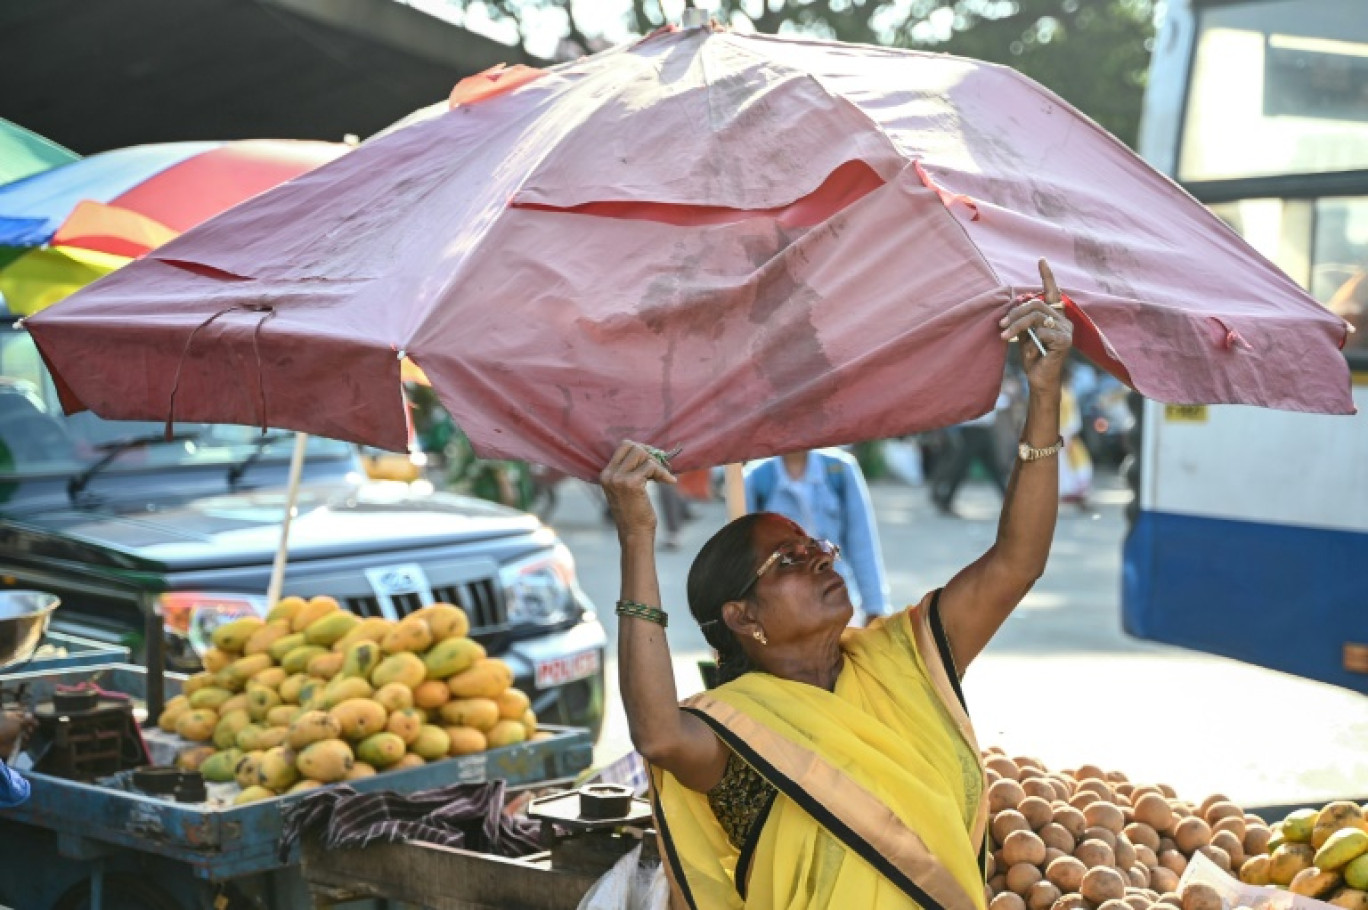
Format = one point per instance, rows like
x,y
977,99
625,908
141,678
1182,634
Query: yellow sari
x,y
880,786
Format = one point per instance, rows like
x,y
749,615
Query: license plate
x,y
560,670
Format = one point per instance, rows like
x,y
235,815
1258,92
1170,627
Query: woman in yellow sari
x,y
832,767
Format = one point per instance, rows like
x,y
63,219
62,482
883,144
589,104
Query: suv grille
x,y
481,599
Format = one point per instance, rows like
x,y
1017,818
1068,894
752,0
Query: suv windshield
x,y
36,438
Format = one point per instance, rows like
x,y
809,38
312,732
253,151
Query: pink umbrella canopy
x,y
737,243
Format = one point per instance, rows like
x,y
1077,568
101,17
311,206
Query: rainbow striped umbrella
x,y
24,153
64,228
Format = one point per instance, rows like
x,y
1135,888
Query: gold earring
x,y
759,635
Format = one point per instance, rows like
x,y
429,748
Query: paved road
x,y
1061,681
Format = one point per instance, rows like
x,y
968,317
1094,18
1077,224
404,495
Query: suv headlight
x,y
541,590
195,615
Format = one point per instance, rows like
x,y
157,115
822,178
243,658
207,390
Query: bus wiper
x,y
78,482
237,470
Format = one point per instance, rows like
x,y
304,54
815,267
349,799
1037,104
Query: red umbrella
x,y
740,243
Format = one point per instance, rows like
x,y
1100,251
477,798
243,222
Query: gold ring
x,y
1049,322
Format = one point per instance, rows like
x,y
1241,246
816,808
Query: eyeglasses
x,y
790,555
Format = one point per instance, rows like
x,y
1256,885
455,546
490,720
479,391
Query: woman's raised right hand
x,y
624,483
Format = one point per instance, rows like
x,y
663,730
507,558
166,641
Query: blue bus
x,y
1249,534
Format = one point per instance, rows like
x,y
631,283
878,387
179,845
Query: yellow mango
x,y
282,715
402,667
311,612
238,702
1297,827
233,636
529,722
270,737
215,659
226,730
433,743
506,733
466,740
513,703
1356,873
174,708
245,771
361,658
380,750
260,701
330,628
290,689
190,759
411,634
253,794
407,724
1350,899
1314,882
285,608
543,735
276,769
285,644
451,656
409,760
327,760
197,724
394,696
218,767
343,688
310,727
372,629
271,678
358,718
359,769
267,635
248,739
297,661
432,693
311,695
325,665
1334,817
212,697
1254,871
306,784
445,620
1341,848
1288,860
244,668
196,682
488,678
480,713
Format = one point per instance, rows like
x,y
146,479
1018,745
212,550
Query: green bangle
x,y
643,611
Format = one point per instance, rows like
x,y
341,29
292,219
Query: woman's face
x,y
799,599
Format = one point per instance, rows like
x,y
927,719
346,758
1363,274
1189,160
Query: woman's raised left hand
x,y
1055,331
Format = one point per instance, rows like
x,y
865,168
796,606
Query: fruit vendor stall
x,y
184,806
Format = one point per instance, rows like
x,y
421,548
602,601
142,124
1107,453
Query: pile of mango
x,y
1321,853
314,694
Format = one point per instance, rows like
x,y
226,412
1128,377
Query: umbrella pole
x,y
735,491
291,497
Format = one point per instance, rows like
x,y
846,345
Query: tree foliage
x,y
1093,53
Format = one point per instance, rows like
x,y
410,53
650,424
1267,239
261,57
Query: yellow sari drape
x,y
880,787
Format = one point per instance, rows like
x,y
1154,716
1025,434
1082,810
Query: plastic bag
x,y
1237,894
629,886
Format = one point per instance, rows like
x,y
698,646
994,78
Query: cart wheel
x,y
121,892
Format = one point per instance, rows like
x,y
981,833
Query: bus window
x,y
1307,63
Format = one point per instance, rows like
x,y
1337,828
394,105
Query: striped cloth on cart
x,y
469,816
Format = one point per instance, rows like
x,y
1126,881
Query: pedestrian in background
x,y
824,490
972,442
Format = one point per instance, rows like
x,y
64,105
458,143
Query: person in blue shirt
x,y
824,491
14,787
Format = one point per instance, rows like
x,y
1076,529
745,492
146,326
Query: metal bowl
x,y
24,618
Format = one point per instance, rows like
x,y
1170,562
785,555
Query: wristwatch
x,y
1027,453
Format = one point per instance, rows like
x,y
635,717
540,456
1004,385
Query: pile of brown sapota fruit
x,y
1089,839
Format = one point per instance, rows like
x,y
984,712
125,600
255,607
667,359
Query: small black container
x,y
598,801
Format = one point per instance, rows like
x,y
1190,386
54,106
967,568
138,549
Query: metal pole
x,y
291,497
154,651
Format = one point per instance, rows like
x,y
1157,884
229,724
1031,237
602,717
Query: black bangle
x,y
643,611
